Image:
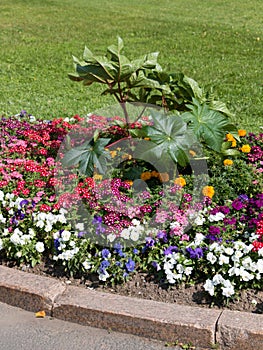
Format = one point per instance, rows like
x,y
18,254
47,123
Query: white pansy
x,y
188,270
15,238
229,251
216,217
1,244
5,232
87,265
245,275
125,233
234,271
209,287
40,247
260,265
218,279
111,237
134,235
104,276
65,235
260,252
2,195
211,257
223,259
199,239
228,291
80,226
199,220
2,219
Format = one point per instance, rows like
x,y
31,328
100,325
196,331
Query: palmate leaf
x,y
170,139
208,125
87,156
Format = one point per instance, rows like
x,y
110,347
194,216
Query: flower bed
x,y
136,218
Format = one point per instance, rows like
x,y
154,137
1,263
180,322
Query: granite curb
x,y
204,328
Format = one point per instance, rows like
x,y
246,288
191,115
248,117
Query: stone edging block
x,y
227,330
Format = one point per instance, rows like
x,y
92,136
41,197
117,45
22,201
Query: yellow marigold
x,y
234,143
228,162
97,177
245,149
164,177
126,156
230,137
242,132
146,175
180,181
208,191
192,153
113,154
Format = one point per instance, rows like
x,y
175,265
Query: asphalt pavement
x,y
21,330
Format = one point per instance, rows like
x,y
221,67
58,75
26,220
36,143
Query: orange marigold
x,y
164,177
245,149
242,132
146,175
208,191
180,181
228,162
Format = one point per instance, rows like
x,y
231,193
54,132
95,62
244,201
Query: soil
x,y
146,286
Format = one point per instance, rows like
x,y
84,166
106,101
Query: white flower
x,y
188,270
40,247
245,275
216,217
218,279
15,238
260,252
65,235
103,276
1,244
125,233
199,220
209,287
87,265
2,195
223,259
2,219
260,265
135,235
228,291
211,257
80,226
111,237
199,239
229,251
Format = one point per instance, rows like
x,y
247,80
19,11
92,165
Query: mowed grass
x,y
218,43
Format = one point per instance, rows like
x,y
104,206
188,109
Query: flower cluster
x,y
137,220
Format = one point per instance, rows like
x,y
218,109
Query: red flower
x,y
45,207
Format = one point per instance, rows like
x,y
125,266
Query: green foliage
x,y
209,126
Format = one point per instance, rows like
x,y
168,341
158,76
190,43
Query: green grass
x,y
218,43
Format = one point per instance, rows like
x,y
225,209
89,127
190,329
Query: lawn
x,y
219,44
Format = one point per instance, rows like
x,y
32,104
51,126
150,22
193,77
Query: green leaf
x,y
208,125
170,139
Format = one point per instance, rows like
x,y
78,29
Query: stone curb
x,y
230,330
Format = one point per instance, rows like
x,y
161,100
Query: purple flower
x,y
243,197
162,235
105,253
104,264
149,241
130,265
170,250
196,253
24,202
118,250
237,204
214,230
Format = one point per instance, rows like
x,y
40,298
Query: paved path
x,y
21,330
